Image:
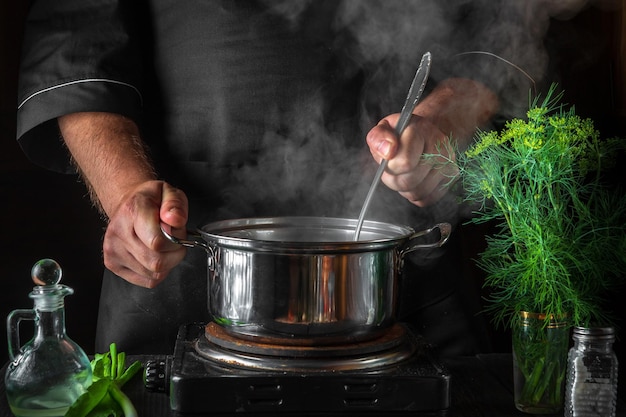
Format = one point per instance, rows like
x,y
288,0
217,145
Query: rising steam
x,y
316,171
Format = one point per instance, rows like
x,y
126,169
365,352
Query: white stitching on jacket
x,y
80,81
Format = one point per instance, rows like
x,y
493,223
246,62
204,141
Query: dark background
x,y
48,215
44,215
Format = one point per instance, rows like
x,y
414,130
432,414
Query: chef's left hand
x,y
420,181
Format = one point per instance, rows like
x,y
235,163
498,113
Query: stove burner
x,y
277,346
200,384
220,346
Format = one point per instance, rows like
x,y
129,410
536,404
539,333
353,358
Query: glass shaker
x,y
591,388
48,373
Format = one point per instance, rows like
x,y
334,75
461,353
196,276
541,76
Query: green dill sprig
x,y
561,234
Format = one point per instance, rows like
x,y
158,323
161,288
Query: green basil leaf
x,y
89,399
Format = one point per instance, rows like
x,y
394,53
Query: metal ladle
x,y
412,98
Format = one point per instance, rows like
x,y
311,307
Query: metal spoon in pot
x,y
412,98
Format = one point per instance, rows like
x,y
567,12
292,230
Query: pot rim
x,y
241,233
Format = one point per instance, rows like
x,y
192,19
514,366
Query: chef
x,y
179,113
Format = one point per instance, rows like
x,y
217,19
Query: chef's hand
x,y
134,246
454,109
110,155
420,181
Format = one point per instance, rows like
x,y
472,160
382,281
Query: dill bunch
x,y
560,244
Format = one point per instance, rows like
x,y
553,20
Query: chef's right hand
x,y
134,246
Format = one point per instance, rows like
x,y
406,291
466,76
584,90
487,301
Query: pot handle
x,y
444,233
193,240
196,240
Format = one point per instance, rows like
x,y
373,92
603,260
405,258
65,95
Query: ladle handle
x,y
415,93
412,98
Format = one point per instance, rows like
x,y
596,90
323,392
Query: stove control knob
x,y
156,375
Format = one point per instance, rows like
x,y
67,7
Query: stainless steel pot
x,y
303,279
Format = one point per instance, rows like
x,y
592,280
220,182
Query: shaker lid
x,y
598,333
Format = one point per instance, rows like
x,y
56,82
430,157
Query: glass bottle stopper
x,y
46,272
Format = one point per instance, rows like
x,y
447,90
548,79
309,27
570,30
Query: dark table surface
x,y
481,386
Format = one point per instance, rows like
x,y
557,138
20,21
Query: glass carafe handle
x,y
13,329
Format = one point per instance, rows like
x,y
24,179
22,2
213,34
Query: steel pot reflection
x,y
303,279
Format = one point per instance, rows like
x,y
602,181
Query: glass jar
x,y
48,373
591,388
540,345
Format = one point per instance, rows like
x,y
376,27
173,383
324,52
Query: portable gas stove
x,y
215,373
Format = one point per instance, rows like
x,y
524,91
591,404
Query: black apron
x,y
250,114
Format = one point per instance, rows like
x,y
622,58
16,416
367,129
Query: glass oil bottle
x,y
48,373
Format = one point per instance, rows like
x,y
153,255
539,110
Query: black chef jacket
x,y
251,110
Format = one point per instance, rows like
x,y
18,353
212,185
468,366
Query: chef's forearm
x,y
109,154
458,106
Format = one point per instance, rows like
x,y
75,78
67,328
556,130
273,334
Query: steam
x,y
306,170
313,170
